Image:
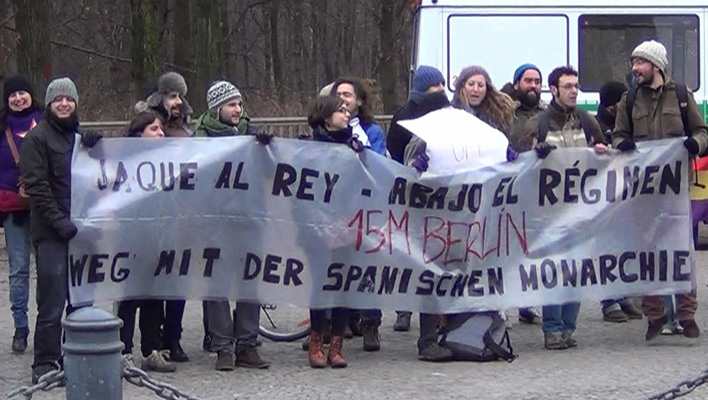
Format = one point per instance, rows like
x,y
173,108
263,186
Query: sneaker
x,y
403,321
690,328
41,370
249,358
554,341
654,327
630,311
128,361
435,353
158,361
567,337
529,315
372,339
615,316
225,361
19,340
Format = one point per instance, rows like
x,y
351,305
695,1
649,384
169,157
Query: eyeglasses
x,y
342,110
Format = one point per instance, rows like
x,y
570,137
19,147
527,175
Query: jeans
x,y
611,305
52,295
226,332
371,317
560,319
172,324
151,317
17,243
340,317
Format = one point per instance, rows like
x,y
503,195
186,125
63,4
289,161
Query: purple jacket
x,y
19,126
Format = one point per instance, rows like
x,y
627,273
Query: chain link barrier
x,y
134,376
45,383
140,378
682,388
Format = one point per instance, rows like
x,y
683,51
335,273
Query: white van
x,y
595,36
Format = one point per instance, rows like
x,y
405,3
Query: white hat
x,y
653,52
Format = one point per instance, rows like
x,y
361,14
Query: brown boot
x,y
315,353
335,358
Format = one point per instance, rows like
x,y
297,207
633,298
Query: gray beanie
x,y
654,52
220,93
61,87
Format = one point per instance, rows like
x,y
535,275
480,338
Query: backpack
x,y
681,96
544,120
477,337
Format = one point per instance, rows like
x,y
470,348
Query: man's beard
x,y
68,124
646,80
526,100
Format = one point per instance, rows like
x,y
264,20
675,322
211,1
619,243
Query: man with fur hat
x,y
657,98
227,331
45,165
167,99
525,90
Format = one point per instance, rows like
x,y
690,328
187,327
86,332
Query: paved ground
x,y
612,362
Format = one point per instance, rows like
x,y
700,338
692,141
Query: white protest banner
x,y
457,140
315,224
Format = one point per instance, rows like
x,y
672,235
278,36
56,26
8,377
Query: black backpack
x,y
544,120
681,95
477,337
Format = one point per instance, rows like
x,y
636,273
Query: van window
x,y
500,43
606,43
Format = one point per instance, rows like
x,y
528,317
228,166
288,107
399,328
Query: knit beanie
x,y
61,87
426,77
654,52
14,84
327,90
523,68
611,93
220,93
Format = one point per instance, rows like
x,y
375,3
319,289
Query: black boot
x,y
177,353
19,341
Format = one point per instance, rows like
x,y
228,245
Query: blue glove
x,y
420,162
511,154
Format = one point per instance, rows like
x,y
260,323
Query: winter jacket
x,y
210,125
398,137
656,115
19,124
375,136
522,114
564,128
45,164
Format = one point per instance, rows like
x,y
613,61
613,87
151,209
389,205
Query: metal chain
x,y
140,378
683,388
46,382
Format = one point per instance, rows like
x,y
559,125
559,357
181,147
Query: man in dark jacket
x,y
225,118
525,90
45,164
610,95
657,115
427,94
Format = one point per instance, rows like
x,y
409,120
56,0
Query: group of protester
x,y
45,132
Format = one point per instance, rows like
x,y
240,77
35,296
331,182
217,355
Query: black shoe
x,y
43,369
177,354
19,341
206,344
403,321
355,327
654,328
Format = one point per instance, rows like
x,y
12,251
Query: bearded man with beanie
x,y
230,332
657,98
525,90
45,165
167,98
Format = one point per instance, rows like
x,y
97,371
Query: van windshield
x,y
606,43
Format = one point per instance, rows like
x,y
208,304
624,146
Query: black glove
x,y
264,137
356,145
626,145
692,146
420,162
90,138
66,229
543,149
